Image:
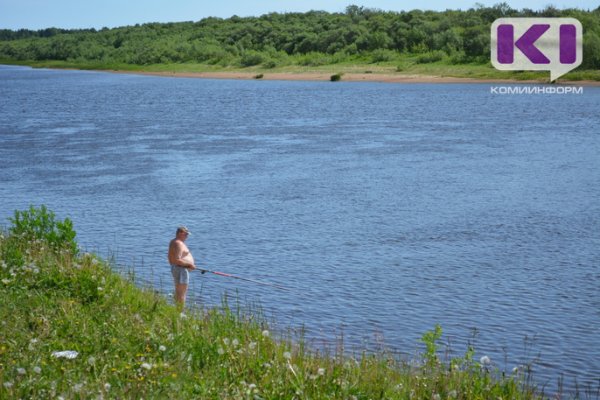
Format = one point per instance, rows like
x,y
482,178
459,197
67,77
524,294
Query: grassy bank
x,y
132,343
405,66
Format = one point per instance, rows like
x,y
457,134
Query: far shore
x,y
384,75
346,77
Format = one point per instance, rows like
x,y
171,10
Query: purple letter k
x,y
526,44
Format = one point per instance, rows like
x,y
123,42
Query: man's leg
x,y
180,291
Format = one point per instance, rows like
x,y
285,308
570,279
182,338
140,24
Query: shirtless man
x,y
182,262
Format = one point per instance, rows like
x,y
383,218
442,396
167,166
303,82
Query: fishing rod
x,y
242,278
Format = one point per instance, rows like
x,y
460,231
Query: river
x,y
385,208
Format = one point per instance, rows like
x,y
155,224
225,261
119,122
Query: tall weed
x,y
40,224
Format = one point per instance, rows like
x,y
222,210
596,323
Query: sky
x,y
80,14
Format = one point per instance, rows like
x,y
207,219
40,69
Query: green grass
x,y
132,343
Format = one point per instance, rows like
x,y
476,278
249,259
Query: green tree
x,y
320,36
476,42
591,50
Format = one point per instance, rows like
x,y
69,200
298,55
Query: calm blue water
x,y
387,208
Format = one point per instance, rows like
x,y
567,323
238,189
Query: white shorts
x,y
181,275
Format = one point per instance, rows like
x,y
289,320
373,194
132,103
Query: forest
x,y
278,39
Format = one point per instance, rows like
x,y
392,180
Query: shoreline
x,y
325,76
346,77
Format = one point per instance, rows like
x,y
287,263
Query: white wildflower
x,y
226,341
287,355
8,385
37,370
321,371
107,386
236,343
77,387
436,397
252,389
452,394
6,281
485,360
220,351
252,345
21,371
162,348
91,361
32,342
146,366
265,333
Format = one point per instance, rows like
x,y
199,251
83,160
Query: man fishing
x,y
182,262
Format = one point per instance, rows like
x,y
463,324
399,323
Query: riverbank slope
x,y
73,328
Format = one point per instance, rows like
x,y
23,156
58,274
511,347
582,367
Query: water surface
x,y
387,208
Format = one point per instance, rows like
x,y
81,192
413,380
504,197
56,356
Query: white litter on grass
x,y
68,354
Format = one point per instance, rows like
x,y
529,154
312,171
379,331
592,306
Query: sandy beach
x,y
347,77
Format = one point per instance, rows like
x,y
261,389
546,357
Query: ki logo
x,y
537,44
